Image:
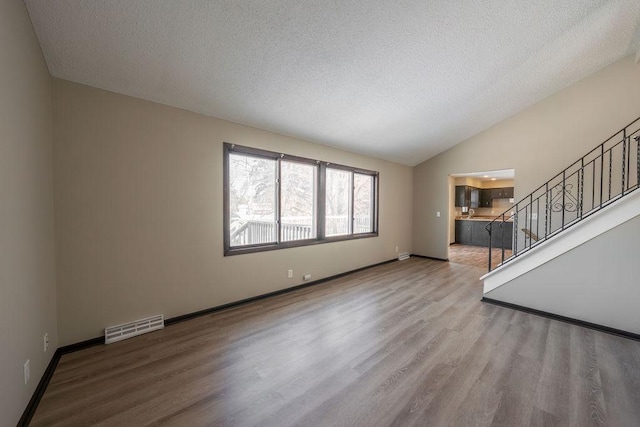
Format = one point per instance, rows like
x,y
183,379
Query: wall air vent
x,y
403,256
127,330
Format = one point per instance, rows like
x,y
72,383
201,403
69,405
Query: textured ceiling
x,y
399,80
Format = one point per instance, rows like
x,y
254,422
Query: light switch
x,y
438,214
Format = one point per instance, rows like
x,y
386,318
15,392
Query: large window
x,y
338,202
298,207
272,201
252,197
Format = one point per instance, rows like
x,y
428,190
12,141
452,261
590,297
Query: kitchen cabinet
x,y
474,233
498,233
479,233
502,193
487,195
496,193
507,193
461,195
485,198
467,196
474,197
463,232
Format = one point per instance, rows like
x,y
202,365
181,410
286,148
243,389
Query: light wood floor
x,y
476,256
407,343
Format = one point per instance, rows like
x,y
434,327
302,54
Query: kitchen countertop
x,y
480,218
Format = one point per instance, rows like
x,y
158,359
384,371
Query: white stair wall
x,y
597,281
589,228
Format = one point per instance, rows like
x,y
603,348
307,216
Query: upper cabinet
x,y
480,197
507,193
461,196
502,193
485,198
467,196
474,197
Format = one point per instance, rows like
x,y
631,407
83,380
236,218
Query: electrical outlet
x,y
290,274
307,277
46,342
438,214
27,372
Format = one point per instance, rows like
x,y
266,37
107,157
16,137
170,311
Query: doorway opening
x,y
476,199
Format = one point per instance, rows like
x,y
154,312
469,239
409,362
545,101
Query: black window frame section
x,y
229,148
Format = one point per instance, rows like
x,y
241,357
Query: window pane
x,y
252,197
264,214
297,204
363,203
338,194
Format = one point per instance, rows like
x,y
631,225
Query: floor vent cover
x,y
131,329
403,256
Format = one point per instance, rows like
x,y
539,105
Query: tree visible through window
x,y
298,197
252,200
338,201
363,203
273,201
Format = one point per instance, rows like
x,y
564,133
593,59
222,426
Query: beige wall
x,y
27,267
498,183
483,183
538,143
139,213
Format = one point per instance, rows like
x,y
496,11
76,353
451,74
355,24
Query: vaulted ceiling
x,y
398,80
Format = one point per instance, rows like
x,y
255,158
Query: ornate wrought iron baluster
x,y
624,159
581,187
610,171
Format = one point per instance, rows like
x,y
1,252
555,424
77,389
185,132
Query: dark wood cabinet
x,y
467,196
502,193
474,233
485,198
507,192
461,196
463,232
502,235
487,195
473,197
479,233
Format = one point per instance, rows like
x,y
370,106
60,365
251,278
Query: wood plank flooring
x,y
406,343
476,256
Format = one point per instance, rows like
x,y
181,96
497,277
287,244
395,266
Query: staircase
x,y
603,176
575,241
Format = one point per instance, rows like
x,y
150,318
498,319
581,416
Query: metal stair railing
x,y
605,174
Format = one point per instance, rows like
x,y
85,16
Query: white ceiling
x,y
398,80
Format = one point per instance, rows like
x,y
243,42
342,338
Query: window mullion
x,y
278,200
322,202
373,210
352,212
